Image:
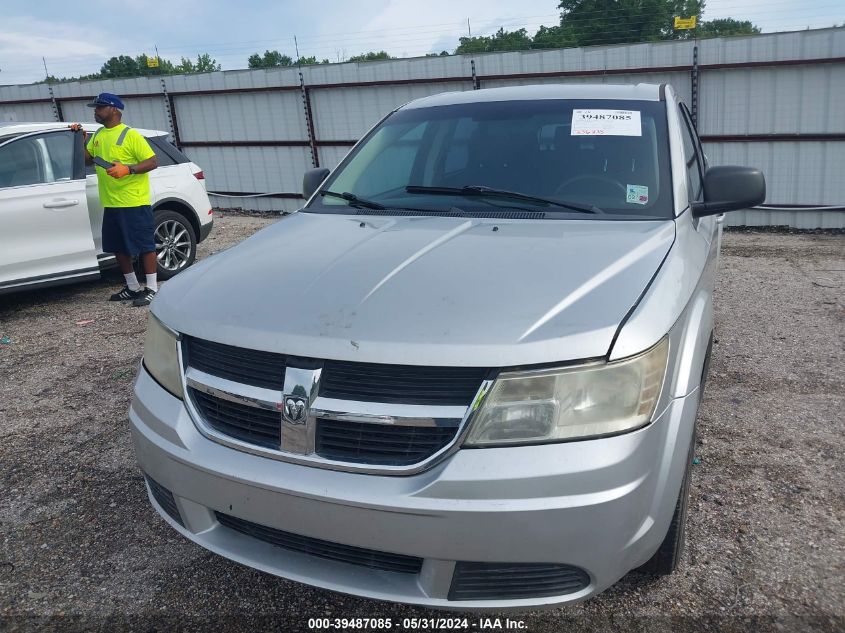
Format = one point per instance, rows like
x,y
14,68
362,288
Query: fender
x,y
194,219
679,301
161,202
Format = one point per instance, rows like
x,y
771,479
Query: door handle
x,y
61,203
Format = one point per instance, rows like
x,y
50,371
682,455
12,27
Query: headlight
x,y
161,356
562,404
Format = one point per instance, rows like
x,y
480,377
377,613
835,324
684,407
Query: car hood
x,y
421,290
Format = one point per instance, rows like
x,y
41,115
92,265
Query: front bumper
x,y
601,505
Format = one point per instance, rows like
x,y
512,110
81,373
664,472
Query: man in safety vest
x,y
123,158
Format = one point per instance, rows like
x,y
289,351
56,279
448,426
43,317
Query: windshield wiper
x,y
480,190
353,200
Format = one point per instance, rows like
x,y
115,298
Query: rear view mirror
x,y
730,188
312,180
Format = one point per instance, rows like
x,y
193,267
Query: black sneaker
x,y
125,294
144,298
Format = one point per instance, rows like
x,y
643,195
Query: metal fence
x,y
776,101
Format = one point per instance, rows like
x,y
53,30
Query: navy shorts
x,y
128,230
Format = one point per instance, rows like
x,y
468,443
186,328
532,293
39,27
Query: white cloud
x,y
417,29
24,41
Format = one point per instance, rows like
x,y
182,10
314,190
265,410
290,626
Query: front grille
x,y
400,383
510,581
165,499
371,444
380,443
368,382
323,549
248,424
248,366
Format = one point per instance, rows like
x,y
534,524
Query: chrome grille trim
x,y
329,408
257,397
386,413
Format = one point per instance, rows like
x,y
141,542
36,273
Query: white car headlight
x,y
161,356
567,403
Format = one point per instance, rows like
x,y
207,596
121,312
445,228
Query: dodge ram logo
x,y
295,410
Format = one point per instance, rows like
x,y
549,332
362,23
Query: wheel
x,y
604,180
176,243
668,555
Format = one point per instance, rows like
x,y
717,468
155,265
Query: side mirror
x,y
730,188
312,180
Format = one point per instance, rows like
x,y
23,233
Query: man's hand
x,y
118,171
76,127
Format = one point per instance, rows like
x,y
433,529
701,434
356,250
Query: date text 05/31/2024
x,y
417,624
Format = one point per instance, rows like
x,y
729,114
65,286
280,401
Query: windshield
x,y
610,156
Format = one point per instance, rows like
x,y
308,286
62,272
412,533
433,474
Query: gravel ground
x,y
82,550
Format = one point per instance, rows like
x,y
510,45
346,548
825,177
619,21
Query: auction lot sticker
x,y
606,123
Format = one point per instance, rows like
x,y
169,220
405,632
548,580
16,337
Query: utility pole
x,y
57,110
469,29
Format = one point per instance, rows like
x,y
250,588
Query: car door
x,y
45,231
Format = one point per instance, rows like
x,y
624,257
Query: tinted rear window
x,y
166,152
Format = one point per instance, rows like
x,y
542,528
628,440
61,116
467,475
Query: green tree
x,y
184,67
727,26
270,59
121,66
370,57
310,61
603,22
553,37
207,64
502,40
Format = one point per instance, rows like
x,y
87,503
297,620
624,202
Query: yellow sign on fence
x,y
152,62
685,23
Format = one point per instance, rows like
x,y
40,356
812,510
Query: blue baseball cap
x,y
106,99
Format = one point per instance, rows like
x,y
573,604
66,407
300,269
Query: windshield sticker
x,y
637,194
606,123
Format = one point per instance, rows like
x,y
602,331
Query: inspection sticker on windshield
x,y
606,123
637,194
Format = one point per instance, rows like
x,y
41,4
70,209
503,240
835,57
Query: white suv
x,y
51,216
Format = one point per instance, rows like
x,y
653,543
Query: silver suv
x,y
466,374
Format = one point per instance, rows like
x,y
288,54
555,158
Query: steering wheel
x,y
605,180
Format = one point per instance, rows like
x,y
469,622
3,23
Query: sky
x,y
76,39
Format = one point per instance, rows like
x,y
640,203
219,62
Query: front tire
x,y
176,243
668,556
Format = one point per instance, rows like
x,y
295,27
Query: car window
x,y
167,151
607,153
22,162
164,158
58,147
388,160
695,173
